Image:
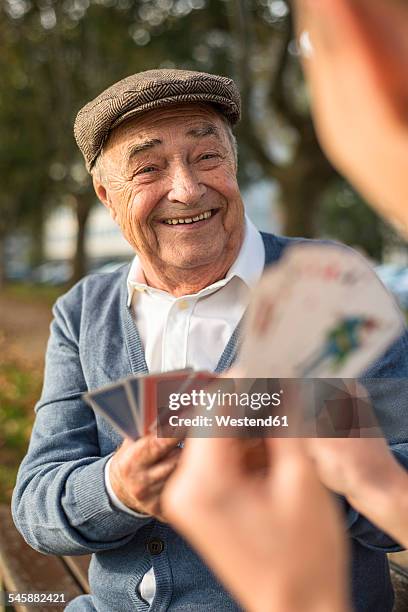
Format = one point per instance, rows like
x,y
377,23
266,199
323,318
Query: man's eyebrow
x,y
204,130
142,146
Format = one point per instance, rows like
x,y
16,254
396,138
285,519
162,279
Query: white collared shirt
x,y
191,330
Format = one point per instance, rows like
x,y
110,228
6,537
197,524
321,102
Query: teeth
x,y
205,215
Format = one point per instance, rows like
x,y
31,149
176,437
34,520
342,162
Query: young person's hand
x,y
355,57
273,534
365,471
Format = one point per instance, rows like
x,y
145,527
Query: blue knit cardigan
x,y
60,504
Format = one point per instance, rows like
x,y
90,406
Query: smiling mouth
x,y
187,220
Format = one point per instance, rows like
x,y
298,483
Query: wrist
x,y
119,491
329,604
374,476
317,594
384,500
380,481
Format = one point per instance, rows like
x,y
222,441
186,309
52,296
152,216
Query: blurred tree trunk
x,y
84,203
36,229
303,180
303,184
2,260
9,212
300,200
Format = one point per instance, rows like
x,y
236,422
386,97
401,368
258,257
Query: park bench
x,y
24,570
399,574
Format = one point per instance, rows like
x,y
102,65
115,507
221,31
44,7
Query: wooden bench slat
x,y
25,570
400,558
399,575
79,568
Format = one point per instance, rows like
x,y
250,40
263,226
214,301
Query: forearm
x,y
384,501
286,598
60,502
329,604
65,509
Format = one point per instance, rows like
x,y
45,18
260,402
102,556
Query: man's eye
x,y
147,169
208,156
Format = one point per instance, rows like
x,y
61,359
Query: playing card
x,y
148,395
190,389
197,381
320,312
113,404
132,391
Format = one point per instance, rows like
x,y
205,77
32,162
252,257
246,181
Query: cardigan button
x,y
155,546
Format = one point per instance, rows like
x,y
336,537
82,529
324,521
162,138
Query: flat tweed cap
x,y
144,91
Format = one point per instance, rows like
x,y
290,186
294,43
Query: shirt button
x,y
155,547
183,304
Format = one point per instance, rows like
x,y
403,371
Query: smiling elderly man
x,y
160,148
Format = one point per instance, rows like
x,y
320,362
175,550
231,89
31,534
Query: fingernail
x,y
306,48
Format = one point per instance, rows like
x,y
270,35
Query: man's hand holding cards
x,y
140,468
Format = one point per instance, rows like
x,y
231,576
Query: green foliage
x,y
31,293
20,374
55,55
19,389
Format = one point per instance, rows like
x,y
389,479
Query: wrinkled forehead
x,y
187,120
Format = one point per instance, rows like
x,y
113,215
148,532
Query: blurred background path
x,y
24,329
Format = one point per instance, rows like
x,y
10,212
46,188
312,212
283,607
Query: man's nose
x,y
185,186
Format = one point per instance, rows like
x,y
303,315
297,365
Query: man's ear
x,y
103,196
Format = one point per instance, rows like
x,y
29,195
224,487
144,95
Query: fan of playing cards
x,y
131,405
320,312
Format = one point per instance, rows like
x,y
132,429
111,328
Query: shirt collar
x,y
250,261
248,266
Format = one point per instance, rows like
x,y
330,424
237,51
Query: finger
x,y
155,449
332,38
150,497
288,462
147,484
330,20
285,450
326,19
386,28
147,496
159,473
212,456
356,31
